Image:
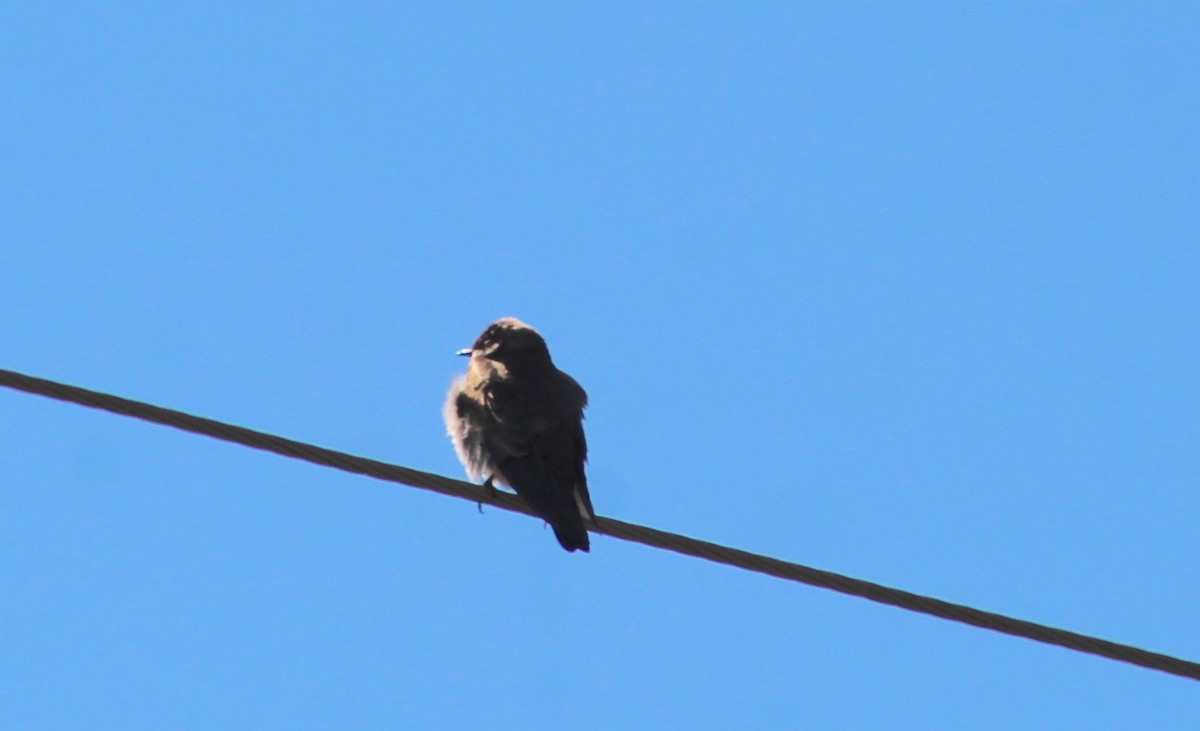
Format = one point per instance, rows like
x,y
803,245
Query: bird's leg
x,y
490,487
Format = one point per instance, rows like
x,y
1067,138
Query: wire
x,y
606,526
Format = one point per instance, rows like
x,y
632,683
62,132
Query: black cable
x,y
607,526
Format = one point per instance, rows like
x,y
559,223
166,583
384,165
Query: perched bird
x,y
516,419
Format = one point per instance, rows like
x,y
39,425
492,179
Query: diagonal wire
x,y
608,526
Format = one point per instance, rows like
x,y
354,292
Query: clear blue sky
x,y
907,293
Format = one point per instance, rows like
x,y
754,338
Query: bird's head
x,y
508,339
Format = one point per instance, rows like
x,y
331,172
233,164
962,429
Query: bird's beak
x,y
464,351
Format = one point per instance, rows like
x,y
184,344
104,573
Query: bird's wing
x,y
564,450
544,477
541,457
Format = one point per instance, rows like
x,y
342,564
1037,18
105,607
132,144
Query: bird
x,y
516,419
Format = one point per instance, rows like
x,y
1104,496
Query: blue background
x,y
908,293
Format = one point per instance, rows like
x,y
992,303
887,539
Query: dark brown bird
x,y
516,419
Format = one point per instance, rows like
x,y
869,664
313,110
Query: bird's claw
x,y
490,487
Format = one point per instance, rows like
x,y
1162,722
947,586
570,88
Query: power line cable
x,y
607,526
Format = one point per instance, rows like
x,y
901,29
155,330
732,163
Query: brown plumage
x,y
516,419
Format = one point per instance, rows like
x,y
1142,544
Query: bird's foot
x,y
489,486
